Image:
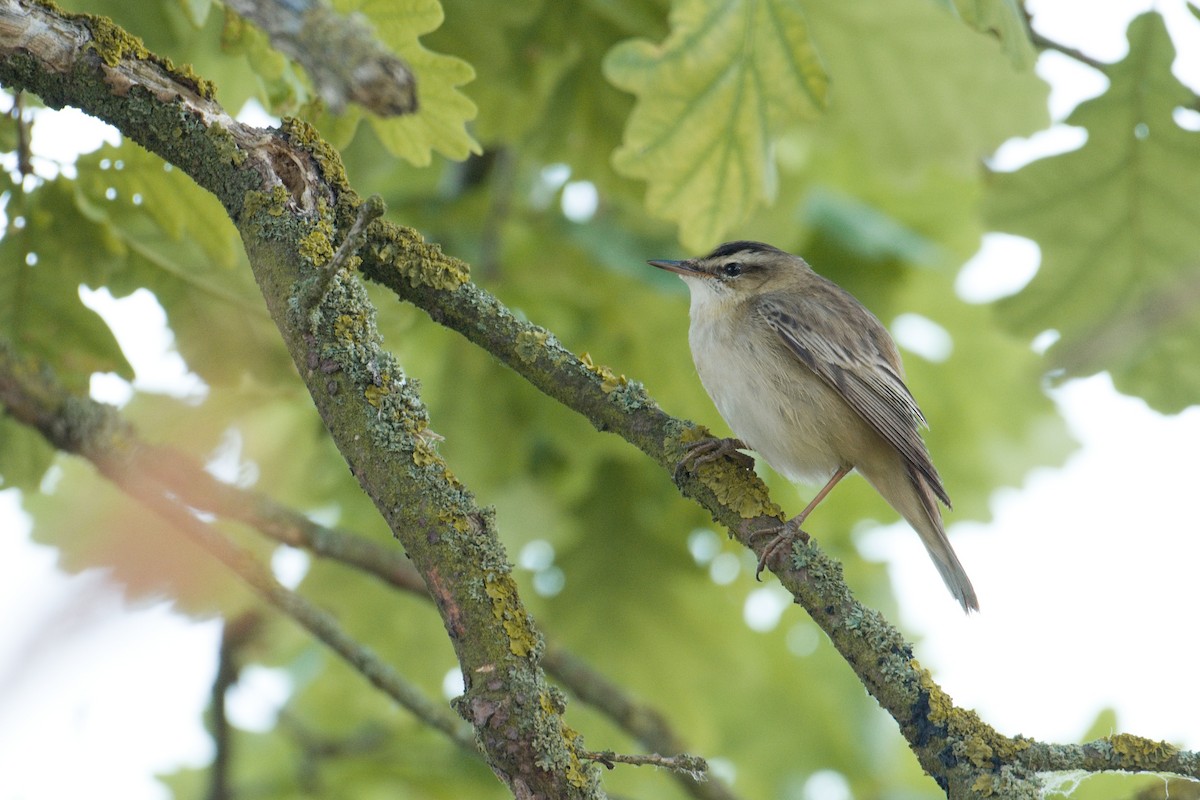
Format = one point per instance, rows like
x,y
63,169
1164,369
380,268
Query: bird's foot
x,y
785,534
705,451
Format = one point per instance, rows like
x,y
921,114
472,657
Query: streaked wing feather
x,y
873,388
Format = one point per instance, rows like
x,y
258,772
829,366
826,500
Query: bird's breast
x,y
773,403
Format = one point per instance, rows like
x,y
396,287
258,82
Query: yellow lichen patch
x,y
255,201
979,752
424,455
113,43
315,246
576,773
346,326
609,381
985,785
1140,752
508,609
733,489
457,521
531,343
326,155
375,394
419,263
940,704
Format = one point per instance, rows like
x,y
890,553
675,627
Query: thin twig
x,y
237,632
1047,43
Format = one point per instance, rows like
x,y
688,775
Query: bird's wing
x,y
860,365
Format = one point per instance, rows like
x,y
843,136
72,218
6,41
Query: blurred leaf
x,y
926,91
440,123
712,98
197,10
173,238
43,261
24,456
145,555
1005,19
1116,222
1105,724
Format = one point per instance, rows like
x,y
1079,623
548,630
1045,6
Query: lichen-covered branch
x,y
286,193
29,393
288,198
341,55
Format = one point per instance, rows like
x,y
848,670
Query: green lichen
x,y
502,591
112,42
226,145
632,396
1140,752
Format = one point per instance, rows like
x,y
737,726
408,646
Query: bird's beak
x,y
678,267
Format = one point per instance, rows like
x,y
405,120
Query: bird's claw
x,y
705,451
785,533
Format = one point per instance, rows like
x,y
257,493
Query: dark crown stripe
x,y
729,248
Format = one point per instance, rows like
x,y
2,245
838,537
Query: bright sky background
x,y
1087,575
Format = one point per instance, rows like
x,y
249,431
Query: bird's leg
x,y
707,450
790,530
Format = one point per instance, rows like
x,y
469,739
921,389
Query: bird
x,y
812,381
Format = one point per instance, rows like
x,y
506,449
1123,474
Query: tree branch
x,y
32,396
96,431
340,53
234,636
1046,43
287,195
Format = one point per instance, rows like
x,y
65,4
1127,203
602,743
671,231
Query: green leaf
x,y
43,261
712,99
441,122
1005,19
1116,222
24,456
541,87
914,89
197,10
175,239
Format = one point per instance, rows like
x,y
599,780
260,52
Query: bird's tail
x,y
915,501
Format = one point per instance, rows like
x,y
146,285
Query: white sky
x,y
1087,575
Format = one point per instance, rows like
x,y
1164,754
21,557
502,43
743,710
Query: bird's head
x,y
736,271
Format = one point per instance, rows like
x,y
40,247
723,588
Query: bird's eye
x,y
732,269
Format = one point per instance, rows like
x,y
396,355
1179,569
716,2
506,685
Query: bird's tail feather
x,y
933,535
913,498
